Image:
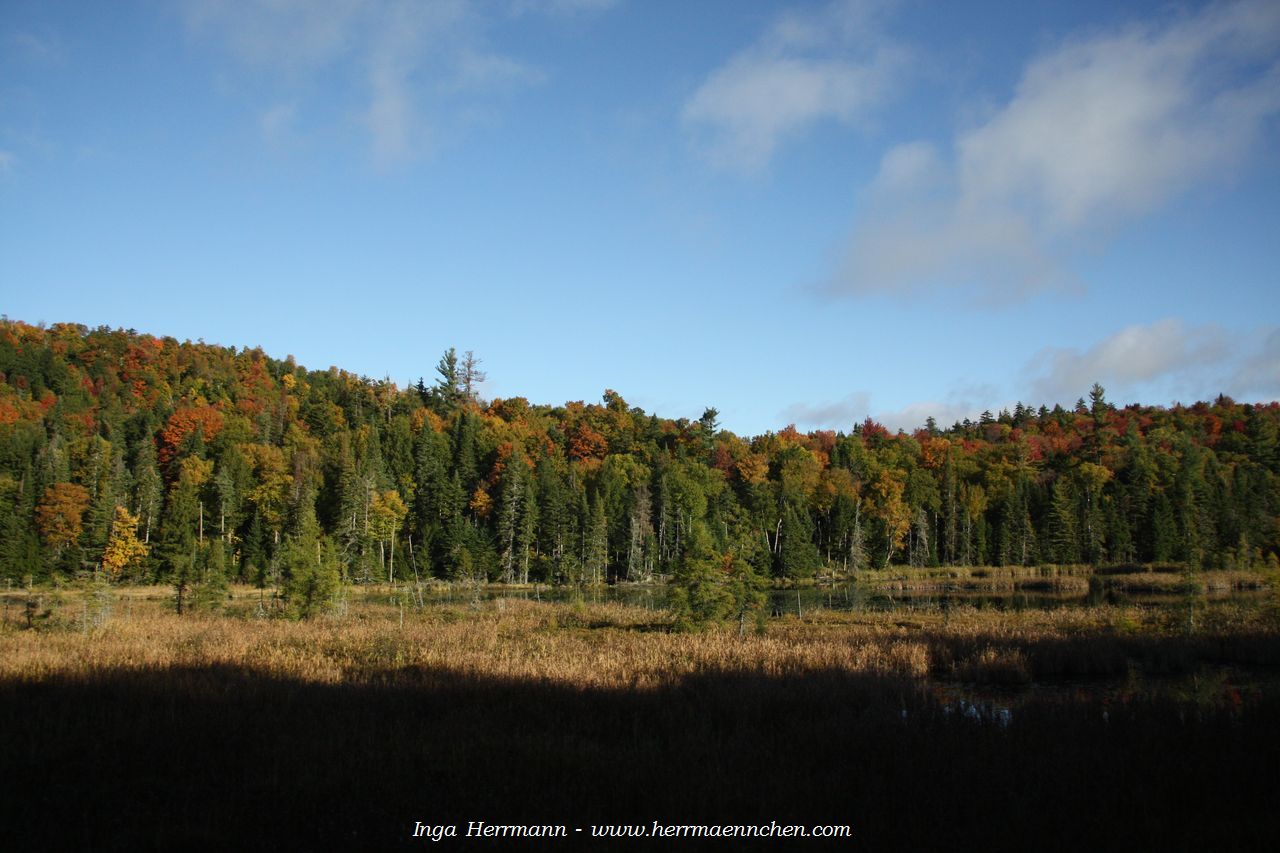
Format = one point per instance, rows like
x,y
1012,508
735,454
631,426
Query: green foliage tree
x,y
310,570
1064,533
701,593
205,443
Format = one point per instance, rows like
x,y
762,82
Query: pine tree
x,y
448,388
797,556
596,545
745,582
210,592
309,569
700,594
1063,529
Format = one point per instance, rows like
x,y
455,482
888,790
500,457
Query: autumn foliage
x,y
197,443
123,548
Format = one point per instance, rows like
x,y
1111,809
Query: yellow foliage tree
x,y
123,548
386,513
887,491
481,504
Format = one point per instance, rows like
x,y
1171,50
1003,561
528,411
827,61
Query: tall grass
x,y
612,645
1067,579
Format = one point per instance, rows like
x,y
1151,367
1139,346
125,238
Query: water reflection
x,y
1225,687
847,597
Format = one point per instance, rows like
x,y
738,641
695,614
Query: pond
x,y
853,597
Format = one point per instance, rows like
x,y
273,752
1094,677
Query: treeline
x,y
227,463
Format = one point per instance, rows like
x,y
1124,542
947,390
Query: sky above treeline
x,y
801,212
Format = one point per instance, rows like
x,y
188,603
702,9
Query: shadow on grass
x,y
217,756
1110,654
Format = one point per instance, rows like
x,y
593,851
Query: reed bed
x,y
611,645
595,646
1066,579
1169,583
1071,579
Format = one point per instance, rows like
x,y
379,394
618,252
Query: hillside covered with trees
x,y
189,463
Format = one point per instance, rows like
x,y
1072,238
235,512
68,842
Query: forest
x,y
199,465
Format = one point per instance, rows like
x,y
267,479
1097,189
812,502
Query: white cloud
x,y
913,416
487,71
910,170
7,159
1170,357
856,407
418,64
1259,374
1098,132
394,57
807,68
292,35
1164,361
839,413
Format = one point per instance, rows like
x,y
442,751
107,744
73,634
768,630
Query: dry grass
x,y
602,645
1067,579
1172,583
614,646
1075,579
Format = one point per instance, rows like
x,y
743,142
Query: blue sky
x,y
794,212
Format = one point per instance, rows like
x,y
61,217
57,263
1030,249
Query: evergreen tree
x,y
309,569
448,391
797,556
700,594
211,586
1063,528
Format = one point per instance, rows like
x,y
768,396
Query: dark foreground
x,y
220,757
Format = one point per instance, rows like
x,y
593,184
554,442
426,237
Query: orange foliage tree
x,y
60,514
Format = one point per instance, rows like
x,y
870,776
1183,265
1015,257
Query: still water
x,y
781,602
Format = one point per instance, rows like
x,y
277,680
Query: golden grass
x,y
597,646
1068,579
611,645
1224,581
1065,580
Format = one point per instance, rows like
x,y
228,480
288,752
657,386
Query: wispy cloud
x,y
277,121
1099,131
831,64
1165,360
856,407
419,65
1169,356
838,413
561,7
7,159
1259,374
36,49
291,35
